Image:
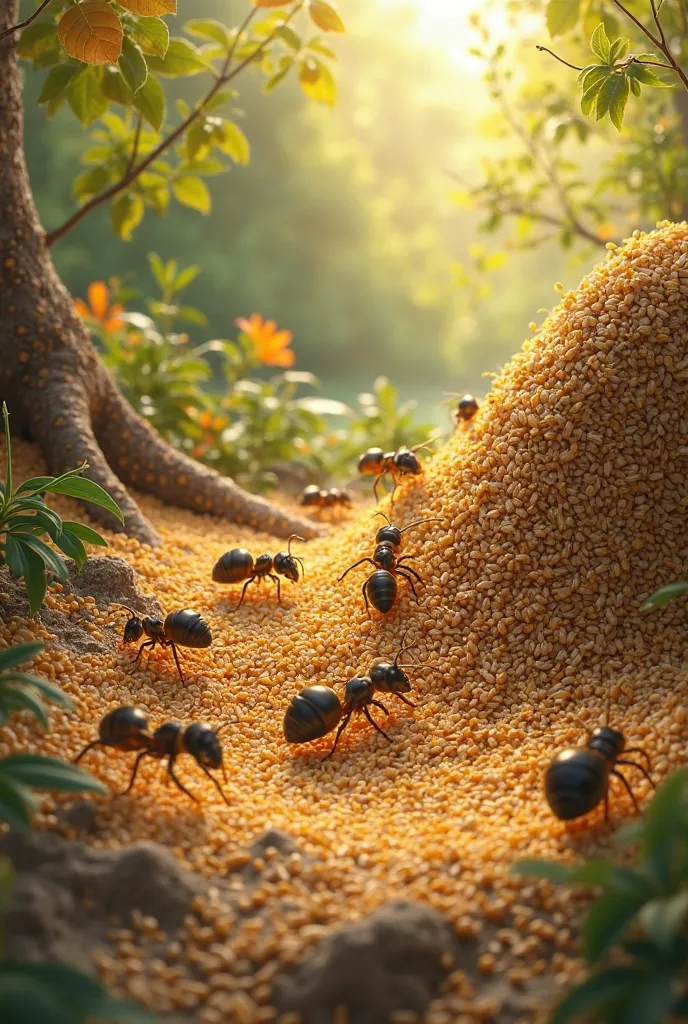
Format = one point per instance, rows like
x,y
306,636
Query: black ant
x,y
314,497
238,564
578,778
126,728
465,409
402,462
381,586
317,710
184,628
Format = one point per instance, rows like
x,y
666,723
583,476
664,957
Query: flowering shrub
x,y
210,400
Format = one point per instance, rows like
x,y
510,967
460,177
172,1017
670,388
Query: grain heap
x,y
562,510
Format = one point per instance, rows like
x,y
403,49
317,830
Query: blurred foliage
x,y
25,519
543,188
209,401
662,597
635,937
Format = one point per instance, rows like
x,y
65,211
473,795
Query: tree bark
x,y
56,387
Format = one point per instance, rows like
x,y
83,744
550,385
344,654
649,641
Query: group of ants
x,y
576,781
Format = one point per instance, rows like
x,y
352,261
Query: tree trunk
x,y
53,381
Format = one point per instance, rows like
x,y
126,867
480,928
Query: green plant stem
x,y
223,78
661,43
23,24
545,49
8,444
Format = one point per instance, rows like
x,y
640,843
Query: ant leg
x,y
275,579
401,697
137,762
355,566
377,481
379,704
634,764
251,579
340,730
174,652
364,588
300,561
215,783
637,750
176,781
409,581
148,643
628,789
374,723
89,746
408,568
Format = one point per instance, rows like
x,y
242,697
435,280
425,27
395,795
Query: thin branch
x,y
135,147
224,77
655,15
556,56
645,31
23,24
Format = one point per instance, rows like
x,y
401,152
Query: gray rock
x,y
81,815
276,838
388,961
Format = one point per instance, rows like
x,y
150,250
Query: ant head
x,y
133,629
202,743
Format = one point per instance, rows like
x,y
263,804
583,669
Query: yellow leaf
x,y
150,8
91,32
271,3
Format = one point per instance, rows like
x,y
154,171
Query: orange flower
x,y
272,346
99,309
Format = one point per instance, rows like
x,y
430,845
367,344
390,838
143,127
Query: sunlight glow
x,y
446,24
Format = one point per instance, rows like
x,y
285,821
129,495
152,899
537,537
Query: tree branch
x,y
556,56
132,174
661,43
23,24
135,147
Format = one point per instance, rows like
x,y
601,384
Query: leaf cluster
x,y
107,62
25,519
635,936
209,401
606,85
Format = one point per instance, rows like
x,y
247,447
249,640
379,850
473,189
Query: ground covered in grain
x,y
562,509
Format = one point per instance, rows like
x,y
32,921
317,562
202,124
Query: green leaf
x,y
325,16
193,192
289,36
549,870
48,690
36,37
52,560
16,699
72,547
87,490
133,65
645,76
612,99
665,826
82,996
316,80
619,49
85,95
208,28
185,277
232,141
667,593
597,991
84,533
35,483
18,654
279,76
41,772
562,16
181,59
608,920
152,35
16,802
150,101
25,563
94,180
662,919
24,1000
57,80
599,43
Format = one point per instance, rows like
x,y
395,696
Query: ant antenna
x,y
426,444
126,608
418,522
403,648
383,516
294,536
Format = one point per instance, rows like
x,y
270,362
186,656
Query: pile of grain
x,y
561,510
